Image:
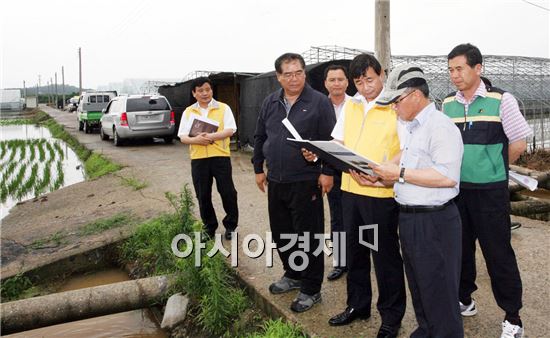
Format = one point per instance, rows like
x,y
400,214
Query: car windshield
x,y
146,103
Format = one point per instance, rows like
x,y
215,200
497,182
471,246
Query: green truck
x,y
89,109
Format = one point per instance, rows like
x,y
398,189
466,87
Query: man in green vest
x,y
494,133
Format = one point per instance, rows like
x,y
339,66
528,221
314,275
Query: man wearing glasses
x,y
295,187
370,130
426,177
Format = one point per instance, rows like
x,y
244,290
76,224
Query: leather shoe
x,y
387,331
336,273
346,317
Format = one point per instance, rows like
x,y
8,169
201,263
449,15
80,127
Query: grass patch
x,y
101,225
13,122
97,165
133,183
52,241
211,286
13,288
278,328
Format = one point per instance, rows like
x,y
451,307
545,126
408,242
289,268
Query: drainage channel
x,y
133,324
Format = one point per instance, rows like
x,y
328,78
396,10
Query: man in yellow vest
x,y
210,156
370,130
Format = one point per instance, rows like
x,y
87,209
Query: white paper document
x,y
291,129
523,180
339,156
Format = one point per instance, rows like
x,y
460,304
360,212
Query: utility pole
x,y
38,92
382,46
51,89
63,87
56,96
80,70
24,91
48,86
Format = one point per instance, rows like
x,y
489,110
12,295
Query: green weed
x,y
133,183
52,241
278,328
101,225
12,288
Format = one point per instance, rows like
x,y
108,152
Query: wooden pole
x,y
382,46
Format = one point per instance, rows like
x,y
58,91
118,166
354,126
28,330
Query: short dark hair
x,y
361,63
471,52
335,67
287,57
424,89
198,82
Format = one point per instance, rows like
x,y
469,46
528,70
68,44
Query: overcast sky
x,y
166,39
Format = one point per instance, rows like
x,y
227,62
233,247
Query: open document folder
x,y
337,155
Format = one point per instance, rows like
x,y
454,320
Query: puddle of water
x,y
69,163
23,132
131,324
88,280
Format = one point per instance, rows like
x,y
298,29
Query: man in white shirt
x,y
336,83
210,156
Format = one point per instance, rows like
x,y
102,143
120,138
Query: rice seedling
x,y
16,181
41,152
29,184
15,122
41,185
51,151
60,176
58,150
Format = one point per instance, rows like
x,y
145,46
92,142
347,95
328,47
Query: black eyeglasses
x,y
398,101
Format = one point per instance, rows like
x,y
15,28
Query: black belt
x,y
423,208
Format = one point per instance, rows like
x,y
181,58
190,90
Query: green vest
x,y
485,160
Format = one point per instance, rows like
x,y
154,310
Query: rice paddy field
x,y
32,163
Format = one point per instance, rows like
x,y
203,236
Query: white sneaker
x,y
468,310
511,331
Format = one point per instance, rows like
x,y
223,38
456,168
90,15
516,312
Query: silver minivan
x,y
137,116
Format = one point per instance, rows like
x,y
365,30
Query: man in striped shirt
x,y
494,133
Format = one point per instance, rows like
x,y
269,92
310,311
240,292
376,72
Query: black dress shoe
x,y
346,317
336,273
387,331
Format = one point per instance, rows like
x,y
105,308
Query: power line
x,y
539,6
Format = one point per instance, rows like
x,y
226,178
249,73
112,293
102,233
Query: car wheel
x,y
116,139
102,134
80,125
168,139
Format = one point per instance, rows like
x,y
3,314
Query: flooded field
x,y
33,163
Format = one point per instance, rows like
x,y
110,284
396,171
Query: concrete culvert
x,y
32,313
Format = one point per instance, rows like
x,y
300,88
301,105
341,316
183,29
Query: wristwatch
x,y
402,176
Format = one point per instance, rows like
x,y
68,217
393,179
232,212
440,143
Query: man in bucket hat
x,y
426,176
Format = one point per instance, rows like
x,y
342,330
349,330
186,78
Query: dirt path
x,y
167,168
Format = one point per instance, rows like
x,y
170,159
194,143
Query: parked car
x,y
137,116
89,109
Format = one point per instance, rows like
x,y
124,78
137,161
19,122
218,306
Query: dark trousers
x,y
362,210
431,248
336,216
203,172
295,208
486,217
